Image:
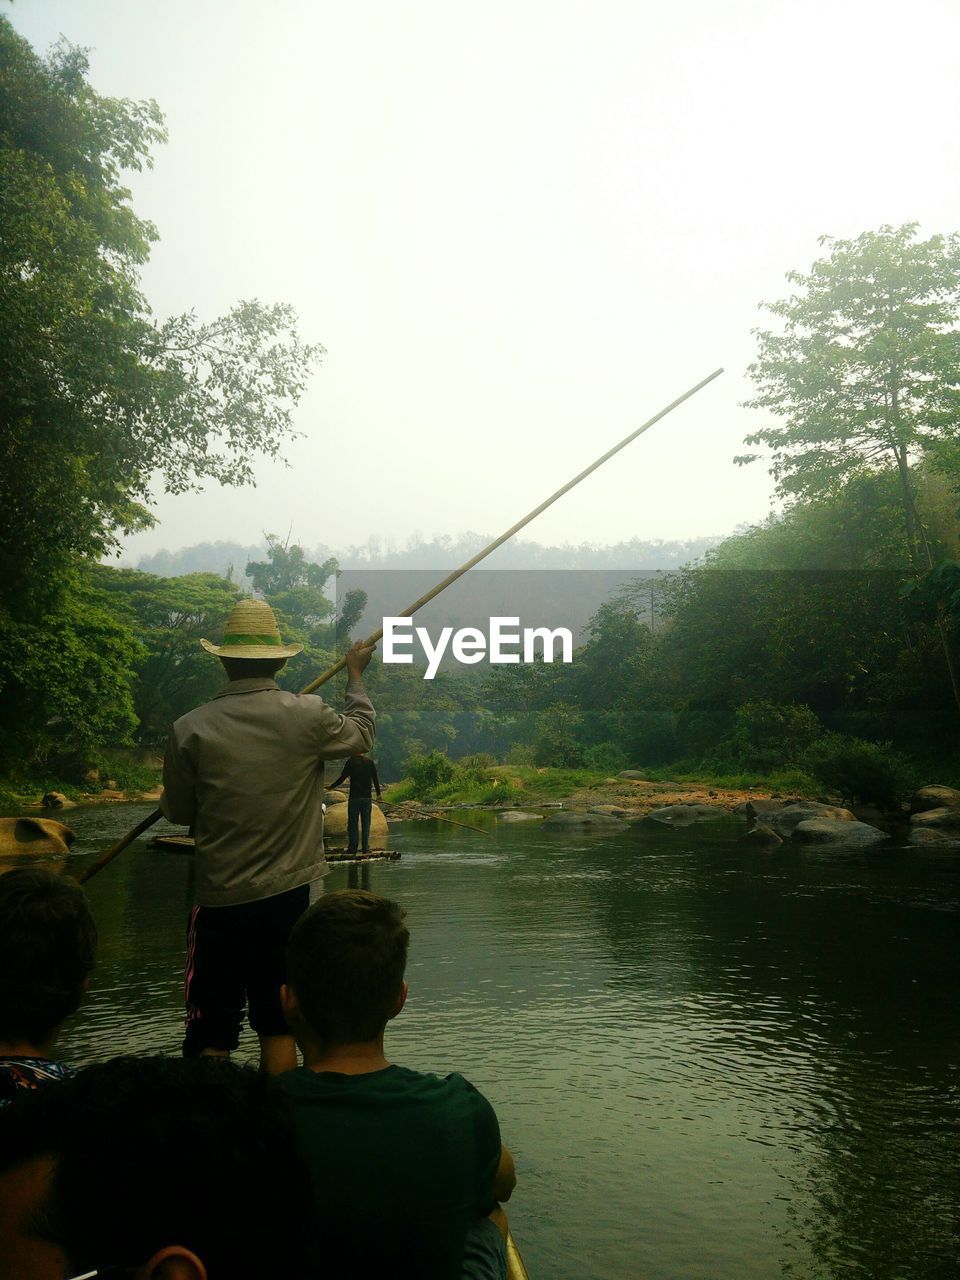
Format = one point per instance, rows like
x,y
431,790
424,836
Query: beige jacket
x,y
246,770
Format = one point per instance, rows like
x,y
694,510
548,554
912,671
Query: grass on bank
x,y
434,779
834,767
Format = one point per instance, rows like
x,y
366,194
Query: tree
x,y
864,371
97,396
293,584
296,589
68,679
168,616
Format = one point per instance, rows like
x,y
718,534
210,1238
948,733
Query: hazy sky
x,y
518,228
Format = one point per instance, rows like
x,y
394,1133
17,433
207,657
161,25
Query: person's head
x,y
252,647
252,668
345,962
158,1167
48,944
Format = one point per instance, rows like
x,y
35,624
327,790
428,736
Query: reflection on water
x,y
709,1063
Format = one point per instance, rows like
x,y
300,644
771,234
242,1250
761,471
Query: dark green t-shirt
x,y
402,1163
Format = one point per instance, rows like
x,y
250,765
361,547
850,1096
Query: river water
x,y
709,1063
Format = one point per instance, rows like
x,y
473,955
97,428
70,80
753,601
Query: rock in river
x,y
934,797
518,815
784,820
582,822
335,826
929,837
761,836
837,831
682,815
34,835
57,800
938,819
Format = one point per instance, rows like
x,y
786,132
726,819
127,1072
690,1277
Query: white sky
x,y
519,227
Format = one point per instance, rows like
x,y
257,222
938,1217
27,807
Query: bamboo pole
x,y
119,847
109,854
514,529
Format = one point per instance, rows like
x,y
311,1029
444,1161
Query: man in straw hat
x,y
246,772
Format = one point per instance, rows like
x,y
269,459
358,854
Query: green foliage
x,y
558,742
293,584
606,757
863,369
169,616
494,784
96,396
935,595
867,772
66,681
430,772
771,735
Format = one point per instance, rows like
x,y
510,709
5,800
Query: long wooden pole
x,y
515,528
109,854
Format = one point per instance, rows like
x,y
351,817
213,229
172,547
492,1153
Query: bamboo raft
x,y
184,844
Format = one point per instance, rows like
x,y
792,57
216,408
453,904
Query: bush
x,y
769,735
429,772
865,772
557,742
606,757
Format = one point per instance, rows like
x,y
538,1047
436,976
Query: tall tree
x,y
97,397
864,372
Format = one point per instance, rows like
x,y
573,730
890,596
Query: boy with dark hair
x,y
407,1167
153,1169
48,944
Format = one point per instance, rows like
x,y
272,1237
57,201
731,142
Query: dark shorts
x,y
235,958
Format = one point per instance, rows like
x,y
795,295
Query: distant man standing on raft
x,y
246,772
362,773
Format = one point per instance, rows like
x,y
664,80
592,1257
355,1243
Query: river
x,y
709,1063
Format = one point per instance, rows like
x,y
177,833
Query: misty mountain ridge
x,y
231,558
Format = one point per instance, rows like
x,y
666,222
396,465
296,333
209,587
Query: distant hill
x,y
229,559
438,553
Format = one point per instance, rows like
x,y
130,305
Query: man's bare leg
x,y
277,1053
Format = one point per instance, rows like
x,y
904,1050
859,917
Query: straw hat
x,y
252,632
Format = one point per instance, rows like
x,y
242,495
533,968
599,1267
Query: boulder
x,y
614,810
760,836
152,796
111,793
751,808
34,835
682,815
837,831
941,819
930,837
582,822
334,797
57,800
518,815
335,826
784,821
633,775
934,796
